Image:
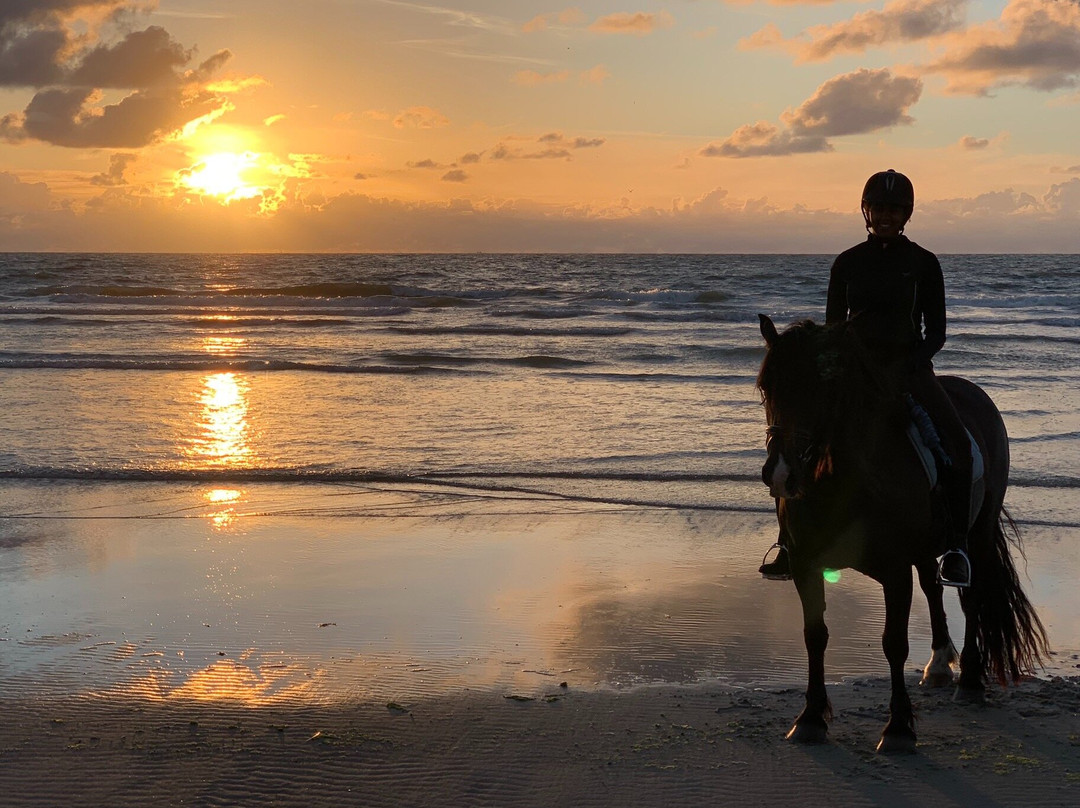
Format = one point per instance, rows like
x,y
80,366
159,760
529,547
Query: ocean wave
x,y
209,365
512,331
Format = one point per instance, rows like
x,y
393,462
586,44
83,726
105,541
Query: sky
x,y
521,125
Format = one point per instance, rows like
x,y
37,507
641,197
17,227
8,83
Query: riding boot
x,y
779,569
954,568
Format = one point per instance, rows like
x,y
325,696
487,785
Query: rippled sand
x,y
444,645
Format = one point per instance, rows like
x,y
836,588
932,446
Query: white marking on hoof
x,y
940,670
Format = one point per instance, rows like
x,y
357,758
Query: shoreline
x,y
702,744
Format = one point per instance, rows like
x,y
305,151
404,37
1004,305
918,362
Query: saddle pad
x,y
926,458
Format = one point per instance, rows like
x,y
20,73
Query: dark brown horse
x,y
852,494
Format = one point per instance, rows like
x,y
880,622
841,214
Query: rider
x,y
896,288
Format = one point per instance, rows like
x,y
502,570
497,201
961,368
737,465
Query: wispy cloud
x,y
640,23
420,118
972,143
566,17
850,104
532,78
456,16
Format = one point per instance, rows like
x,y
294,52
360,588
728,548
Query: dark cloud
x,y
455,175
899,21
972,143
40,49
855,103
68,117
141,59
1035,43
850,104
118,164
471,157
556,147
31,58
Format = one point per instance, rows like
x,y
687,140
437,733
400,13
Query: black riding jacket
x,y
896,289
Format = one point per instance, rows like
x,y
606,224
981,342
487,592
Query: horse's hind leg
x,y
812,724
971,686
943,659
899,733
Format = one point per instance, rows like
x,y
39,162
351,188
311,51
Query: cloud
x,y
124,219
1035,43
118,164
556,147
972,143
640,23
72,118
763,139
470,158
141,59
594,75
531,78
54,46
897,22
420,118
426,163
568,16
850,104
455,175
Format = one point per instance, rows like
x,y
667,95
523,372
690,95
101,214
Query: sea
x,y
542,382
625,377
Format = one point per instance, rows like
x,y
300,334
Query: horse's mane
x,y
826,373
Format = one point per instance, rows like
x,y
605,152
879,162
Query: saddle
x,y
931,461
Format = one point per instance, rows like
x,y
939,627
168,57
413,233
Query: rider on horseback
x,y
896,289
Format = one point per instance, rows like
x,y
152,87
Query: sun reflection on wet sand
x,y
228,681
225,500
222,439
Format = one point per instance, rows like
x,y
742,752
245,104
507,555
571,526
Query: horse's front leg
x,y
939,671
812,725
899,733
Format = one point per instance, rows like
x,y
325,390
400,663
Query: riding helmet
x,y
889,188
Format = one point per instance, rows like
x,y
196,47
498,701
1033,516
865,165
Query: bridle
x,y
806,452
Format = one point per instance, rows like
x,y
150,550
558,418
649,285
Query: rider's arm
x,y
836,306
932,303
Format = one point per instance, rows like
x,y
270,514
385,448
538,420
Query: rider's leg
x,y
779,569
955,568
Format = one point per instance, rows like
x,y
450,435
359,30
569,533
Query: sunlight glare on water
x,y
222,438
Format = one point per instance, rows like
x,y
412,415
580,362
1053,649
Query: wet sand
x,y
326,645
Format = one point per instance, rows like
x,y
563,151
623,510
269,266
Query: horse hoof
x,y
941,679
970,695
896,745
808,733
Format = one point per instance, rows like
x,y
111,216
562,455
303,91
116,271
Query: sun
x,y
223,174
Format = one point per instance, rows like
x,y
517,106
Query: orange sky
x,y
691,125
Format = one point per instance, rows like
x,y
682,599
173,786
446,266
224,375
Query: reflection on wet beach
x,y
284,592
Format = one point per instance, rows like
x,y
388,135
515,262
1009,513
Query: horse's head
x,y
798,388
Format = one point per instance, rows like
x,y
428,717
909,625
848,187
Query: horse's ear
x,y
768,330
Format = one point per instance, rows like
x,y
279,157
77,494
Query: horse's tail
x,y
1011,636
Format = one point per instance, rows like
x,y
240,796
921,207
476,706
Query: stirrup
x,y
955,556
772,571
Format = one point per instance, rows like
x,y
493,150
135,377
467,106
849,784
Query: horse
x,y
851,493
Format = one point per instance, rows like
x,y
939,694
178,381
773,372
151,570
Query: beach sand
x,y
174,644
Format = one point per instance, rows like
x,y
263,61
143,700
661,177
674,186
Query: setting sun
x,y
225,175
